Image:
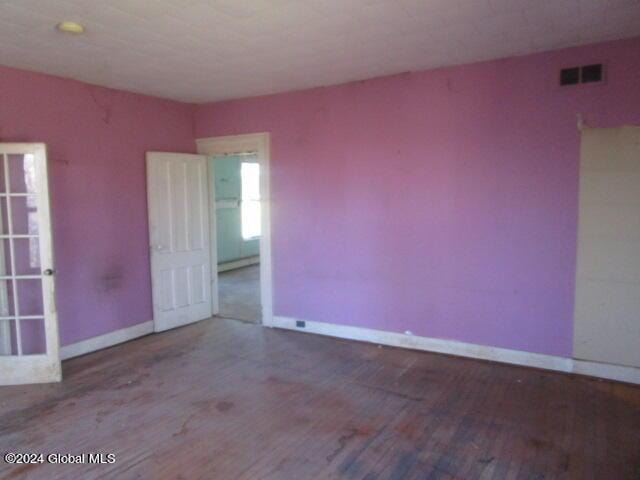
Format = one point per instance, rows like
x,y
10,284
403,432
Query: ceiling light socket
x,y
73,28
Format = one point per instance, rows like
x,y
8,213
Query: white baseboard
x,y
609,371
243,262
452,347
107,340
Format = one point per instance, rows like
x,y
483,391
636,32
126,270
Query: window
x,y
250,202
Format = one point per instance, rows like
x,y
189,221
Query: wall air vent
x,y
584,74
591,73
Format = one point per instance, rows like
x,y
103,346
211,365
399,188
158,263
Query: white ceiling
x,y
204,50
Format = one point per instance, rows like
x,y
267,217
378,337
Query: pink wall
x,y
441,202
96,139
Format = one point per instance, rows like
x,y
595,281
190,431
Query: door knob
x,y
48,272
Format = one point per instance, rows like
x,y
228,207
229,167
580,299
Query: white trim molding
x,y
621,373
470,350
107,340
258,143
234,264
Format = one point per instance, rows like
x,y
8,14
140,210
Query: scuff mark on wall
x,y
112,280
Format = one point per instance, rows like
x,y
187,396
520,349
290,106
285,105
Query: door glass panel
x,y
24,215
30,297
4,216
22,173
32,334
8,341
7,308
27,256
5,257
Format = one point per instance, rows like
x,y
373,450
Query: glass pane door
x,y
29,350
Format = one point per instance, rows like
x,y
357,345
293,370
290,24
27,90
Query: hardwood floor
x,y
229,400
239,294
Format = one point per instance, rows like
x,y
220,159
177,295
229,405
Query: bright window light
x,y
250,205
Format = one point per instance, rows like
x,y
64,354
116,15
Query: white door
x,y
178,197
607,302
29,344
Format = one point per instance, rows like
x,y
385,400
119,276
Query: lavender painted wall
x,y
441,202
96,139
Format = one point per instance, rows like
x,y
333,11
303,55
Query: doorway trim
x,y
258,143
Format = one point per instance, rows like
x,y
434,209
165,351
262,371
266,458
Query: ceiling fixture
x,y
73,28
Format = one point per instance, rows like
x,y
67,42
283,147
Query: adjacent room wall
x,y
227,184
96,140
443,202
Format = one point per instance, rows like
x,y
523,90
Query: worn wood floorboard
x,y
239,294
228,400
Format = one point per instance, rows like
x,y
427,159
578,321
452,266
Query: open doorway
x,y
239,211
236,186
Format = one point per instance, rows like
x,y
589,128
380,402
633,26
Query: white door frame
x,y
257,143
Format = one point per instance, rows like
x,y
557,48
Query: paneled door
x,y
178,197
29,344
607,301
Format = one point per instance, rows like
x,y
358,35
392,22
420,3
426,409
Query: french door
x,y
29,345
179,231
